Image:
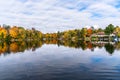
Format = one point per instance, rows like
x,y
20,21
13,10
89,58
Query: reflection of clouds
x,y
97,59
96,49
51,60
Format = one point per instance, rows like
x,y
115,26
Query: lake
x,y
59,62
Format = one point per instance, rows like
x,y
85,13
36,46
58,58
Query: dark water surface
x,y
51,62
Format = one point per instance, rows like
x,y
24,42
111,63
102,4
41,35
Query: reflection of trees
x,y
14,47
3,47
21,46
109,48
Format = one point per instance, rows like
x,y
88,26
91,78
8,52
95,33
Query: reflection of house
x,y
102,42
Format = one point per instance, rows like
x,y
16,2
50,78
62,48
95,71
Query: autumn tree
x,y
117,31
89,32
3,33
14,32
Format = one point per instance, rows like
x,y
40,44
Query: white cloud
x,y
54,15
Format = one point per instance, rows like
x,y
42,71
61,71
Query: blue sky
x,y
54,15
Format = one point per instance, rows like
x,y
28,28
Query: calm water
x,y
51,62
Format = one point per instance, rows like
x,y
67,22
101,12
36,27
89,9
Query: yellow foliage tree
x,y
13,32
3,32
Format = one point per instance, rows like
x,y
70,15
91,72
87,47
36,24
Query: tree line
x,y
84,33
8,33
15,33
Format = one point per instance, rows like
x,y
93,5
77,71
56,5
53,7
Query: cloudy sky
x,y
54,15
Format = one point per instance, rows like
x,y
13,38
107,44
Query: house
x,y
101,33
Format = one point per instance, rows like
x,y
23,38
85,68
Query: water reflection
x,y
14,47
59,63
